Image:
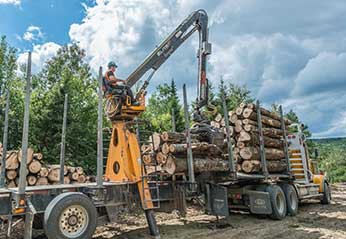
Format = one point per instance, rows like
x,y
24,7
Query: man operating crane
x,y
112,84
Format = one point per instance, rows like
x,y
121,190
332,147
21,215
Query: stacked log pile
x,y
38,173
168,154
245,133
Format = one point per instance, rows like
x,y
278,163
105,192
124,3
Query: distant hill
x,y
332,158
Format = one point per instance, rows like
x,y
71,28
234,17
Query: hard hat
x,y
112,63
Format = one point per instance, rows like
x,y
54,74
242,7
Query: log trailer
x,y
73,211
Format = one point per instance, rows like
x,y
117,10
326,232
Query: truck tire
x,y
291,199
327,196
277,201
70,215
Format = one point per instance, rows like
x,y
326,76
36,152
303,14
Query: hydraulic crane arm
x,y
197,20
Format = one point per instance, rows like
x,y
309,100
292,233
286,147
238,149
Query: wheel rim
x,y
73,221
293,200
280,203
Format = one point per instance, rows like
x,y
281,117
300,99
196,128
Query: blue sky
x,y
287,52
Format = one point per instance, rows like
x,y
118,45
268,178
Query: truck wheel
x,y
327,195
291,199
277,201
70,215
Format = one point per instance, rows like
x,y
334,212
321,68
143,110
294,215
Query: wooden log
x,y
31,180
244,136
249,122
11,184
161,158
30,155
44,172
239,111
38,156
54,173
71,169
240,145
251,114
12,160
74,176
202,165
215,124
232,117
268,113
254,166
11,174
223,122
231,130
79,170
67,180
253,153
165,148
147,159
81,178
42,181
173,137
218,118
238,126
169,166
156,139
35,166
248,127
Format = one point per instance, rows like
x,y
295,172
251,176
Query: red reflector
x,y
293,137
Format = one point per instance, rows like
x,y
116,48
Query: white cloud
x,y
33,33
13,2
40,54
296,60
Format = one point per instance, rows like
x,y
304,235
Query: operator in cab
x,y
112,81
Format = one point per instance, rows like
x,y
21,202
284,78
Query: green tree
x,y
159,108
66,73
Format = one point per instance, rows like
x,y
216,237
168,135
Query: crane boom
x,y
197,20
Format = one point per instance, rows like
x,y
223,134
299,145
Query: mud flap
x,y
259,202
216,200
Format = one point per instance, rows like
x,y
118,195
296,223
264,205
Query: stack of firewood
x,y
38,173
168,154
245,132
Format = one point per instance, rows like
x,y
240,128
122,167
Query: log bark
x,y
169,166
254,166
34,167
11,184
71,169
251,114
202,165
268,113
67,180
253,153
173,137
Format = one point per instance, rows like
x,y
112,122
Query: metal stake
x,y
25,138
99,178
228,136
173,121
4,143
262,149
62,147
284,138
188,139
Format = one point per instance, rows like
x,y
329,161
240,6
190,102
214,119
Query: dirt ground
x,y
313,221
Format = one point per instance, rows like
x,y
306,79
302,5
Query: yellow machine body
x,y
124,156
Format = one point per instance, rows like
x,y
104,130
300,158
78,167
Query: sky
x,y
286,52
